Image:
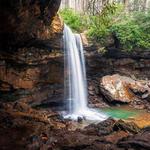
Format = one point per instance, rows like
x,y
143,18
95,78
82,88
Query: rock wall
x,y
132,66
135,65
25,21
31,62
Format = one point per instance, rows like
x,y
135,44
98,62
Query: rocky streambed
x,y
22,127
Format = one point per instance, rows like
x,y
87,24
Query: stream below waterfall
x,y
126,113
129,114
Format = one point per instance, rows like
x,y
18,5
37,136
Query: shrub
x,y
100,24
133,31
75,20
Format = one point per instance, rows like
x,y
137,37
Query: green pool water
x,y
120,113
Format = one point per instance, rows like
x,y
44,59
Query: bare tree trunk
x,y
145,5
126,4
82,5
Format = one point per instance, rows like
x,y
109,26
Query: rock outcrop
x,y
138,141
124,89
22,127
31,62
24,22
128,64
135,65
31,75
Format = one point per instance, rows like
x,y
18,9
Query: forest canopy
x,y
126,21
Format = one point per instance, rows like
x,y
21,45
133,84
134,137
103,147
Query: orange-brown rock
x,y
31,65
135,65
26,76
142,120
124,89
33,75
84,38
25,124
138,141
26,20
116,136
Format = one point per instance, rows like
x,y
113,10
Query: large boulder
x,y
124,89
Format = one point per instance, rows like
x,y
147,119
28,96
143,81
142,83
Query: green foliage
x,y
128,33
74,20
143,20
99,28
131,29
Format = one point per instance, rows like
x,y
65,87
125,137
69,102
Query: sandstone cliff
x,y
31,65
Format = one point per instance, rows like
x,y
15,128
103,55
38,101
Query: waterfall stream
x,y
75,79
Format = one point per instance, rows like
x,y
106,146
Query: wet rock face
x,y
31,75
94,94
124,89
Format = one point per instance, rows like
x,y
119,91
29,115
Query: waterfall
x,y
75,79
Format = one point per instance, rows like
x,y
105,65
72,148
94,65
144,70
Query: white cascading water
x,y
75,79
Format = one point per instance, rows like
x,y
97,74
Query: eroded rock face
x,y
124,89
101,63
31,62
31,75
26,20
